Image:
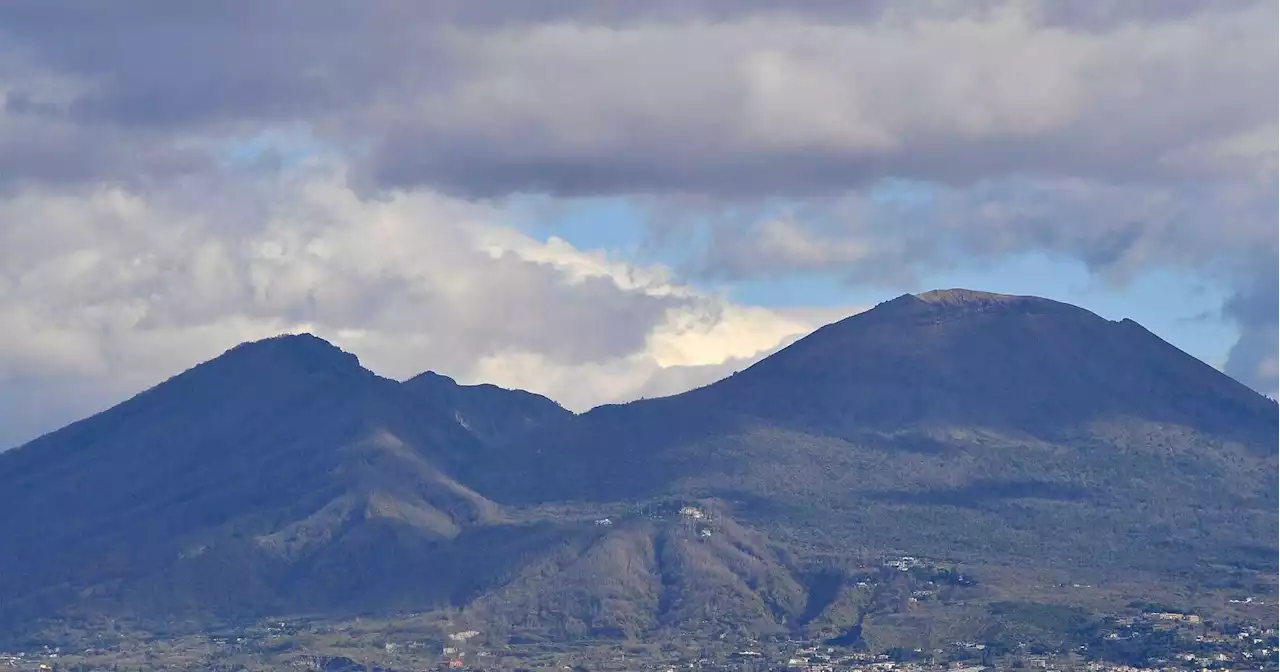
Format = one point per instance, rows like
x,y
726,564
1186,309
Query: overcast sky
x,y
599,200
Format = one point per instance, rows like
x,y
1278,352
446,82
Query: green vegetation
x,y
973,444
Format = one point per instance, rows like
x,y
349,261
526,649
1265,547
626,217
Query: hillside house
x,y
692,512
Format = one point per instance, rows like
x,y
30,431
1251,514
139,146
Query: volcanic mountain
x,y
952,422
282,476
281,473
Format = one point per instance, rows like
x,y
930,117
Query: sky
x,y
600,200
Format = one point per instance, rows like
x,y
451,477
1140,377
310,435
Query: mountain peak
x,y
960,357
432,378
959,302
487,411
305,349
972,299
959,296
286,342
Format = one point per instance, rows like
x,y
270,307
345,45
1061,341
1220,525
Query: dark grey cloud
x,y
63,153
1108,14
1253,359
731,98
1224,230
183,48
33,16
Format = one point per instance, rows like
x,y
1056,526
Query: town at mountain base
x,y
1001,439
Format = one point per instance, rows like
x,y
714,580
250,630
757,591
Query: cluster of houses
x,y
905,563
43,659
686,513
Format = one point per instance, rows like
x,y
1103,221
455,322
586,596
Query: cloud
x,y
725,98
1252,360
692,348
779,246
792,107
105,291
890,236
178,177
731,99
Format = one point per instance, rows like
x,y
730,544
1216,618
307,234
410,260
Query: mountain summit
x,y
975,359
969,298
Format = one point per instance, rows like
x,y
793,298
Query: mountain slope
x,y
282,477
644,573
977,359
278,471
954,422
489,412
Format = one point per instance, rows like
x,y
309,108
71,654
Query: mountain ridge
x,y
235,448
859,374
283,476
490,412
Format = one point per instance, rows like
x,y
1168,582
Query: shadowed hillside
x,y
489,412
643,573
962,422
283,477
279,474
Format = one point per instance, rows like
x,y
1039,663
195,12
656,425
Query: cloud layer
x,y
118,290
723,98
176,177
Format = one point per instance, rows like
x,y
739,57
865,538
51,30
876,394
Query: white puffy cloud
x,y
106,291
697,344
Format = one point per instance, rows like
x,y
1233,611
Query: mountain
x,y
955,423
279,474
283,477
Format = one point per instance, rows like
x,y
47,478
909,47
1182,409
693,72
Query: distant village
x,y
1244,648
1150,638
